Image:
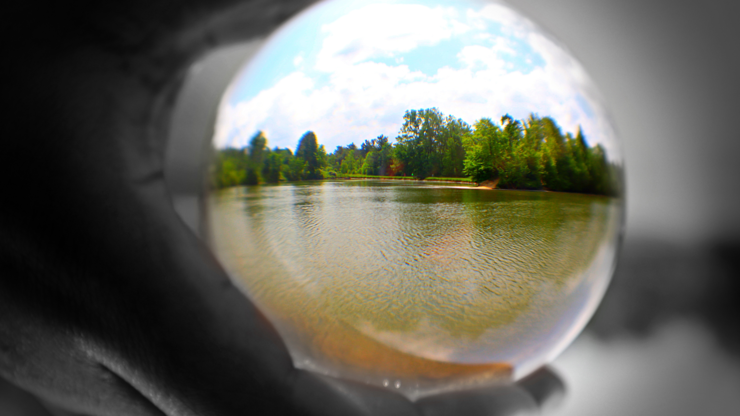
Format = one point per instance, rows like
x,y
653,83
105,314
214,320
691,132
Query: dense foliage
x,y
526,154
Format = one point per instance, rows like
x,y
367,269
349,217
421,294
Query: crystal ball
x,y
420,195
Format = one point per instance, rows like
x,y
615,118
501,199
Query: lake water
x,y
400,283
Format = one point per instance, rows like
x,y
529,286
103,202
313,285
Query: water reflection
x,y
439,274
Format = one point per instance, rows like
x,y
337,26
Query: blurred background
x,y
666,339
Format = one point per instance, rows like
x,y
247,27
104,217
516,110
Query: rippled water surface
x,y
403,278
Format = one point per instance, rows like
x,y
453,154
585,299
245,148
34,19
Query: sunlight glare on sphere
x,y
420,195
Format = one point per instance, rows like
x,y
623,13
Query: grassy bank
x,y
406,178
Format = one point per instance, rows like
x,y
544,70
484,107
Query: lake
x,y
408,282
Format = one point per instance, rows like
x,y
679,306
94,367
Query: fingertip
x,y
498,401
545,386
324,395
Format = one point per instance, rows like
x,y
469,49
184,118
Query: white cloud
x,y
486,57
363,99
512,23
236,124
298,60
383,30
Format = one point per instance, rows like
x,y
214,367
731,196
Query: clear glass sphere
x,y
421,195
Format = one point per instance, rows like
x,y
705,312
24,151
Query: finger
x,y
545,387
498,401
328,396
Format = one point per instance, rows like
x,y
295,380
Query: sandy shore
x,y
487,185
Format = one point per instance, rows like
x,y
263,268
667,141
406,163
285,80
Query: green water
x,y
447,273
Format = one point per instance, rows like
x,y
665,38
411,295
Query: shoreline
x,y
485,185
400,178
489,184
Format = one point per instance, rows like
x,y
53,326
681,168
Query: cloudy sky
x,y
348,70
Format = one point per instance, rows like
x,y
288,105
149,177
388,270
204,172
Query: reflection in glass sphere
x,y
484,270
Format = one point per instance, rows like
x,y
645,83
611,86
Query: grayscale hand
x,y
109,305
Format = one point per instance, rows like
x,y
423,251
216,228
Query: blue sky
x,y
348,70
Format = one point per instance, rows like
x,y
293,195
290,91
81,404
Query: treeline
x,y
256,163
527,154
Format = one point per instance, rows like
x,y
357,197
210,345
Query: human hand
x,y
109,305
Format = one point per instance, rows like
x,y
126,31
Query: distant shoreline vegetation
x,y
529,154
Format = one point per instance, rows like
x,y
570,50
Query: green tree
x,y
285,169
369,164
230,174
384,157
477,165
296,169
230,167
486,151
581,179
308,152
555,157
256,148
454,133
420,140
273,165
515,173
256,151
348,162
